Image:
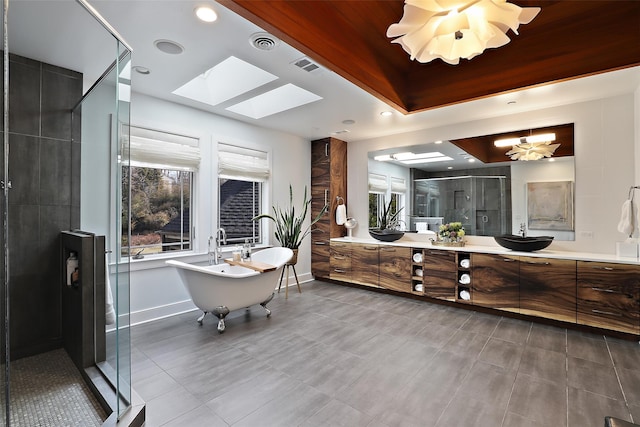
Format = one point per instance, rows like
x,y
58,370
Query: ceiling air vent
x,y
263,41
307,65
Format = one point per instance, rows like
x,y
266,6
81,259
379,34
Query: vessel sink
x,y
523,244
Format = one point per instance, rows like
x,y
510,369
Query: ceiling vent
x,y
263,41
307,65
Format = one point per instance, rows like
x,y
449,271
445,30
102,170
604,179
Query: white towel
x,y
626,224
110,313
341,214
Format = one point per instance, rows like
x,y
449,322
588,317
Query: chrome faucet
x,y
220,238
523,229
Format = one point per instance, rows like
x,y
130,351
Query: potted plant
x,y
388,224
450,234
289,230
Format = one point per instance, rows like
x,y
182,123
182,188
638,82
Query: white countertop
x,y
414,240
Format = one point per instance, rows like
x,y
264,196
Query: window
x,y
398,191
377,189
242,174
161,171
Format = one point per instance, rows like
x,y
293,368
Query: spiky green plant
x,y
289,227
389,220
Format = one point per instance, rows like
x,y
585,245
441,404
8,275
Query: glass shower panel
x,y
104,114
478,202
4,287
120,182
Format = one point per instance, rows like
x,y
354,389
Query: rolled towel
x,y
626,225
341,214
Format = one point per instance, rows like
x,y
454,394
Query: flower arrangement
x,y
451,232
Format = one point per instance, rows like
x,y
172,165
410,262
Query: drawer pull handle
x,y
388,249
439,253
608,313
370,248
339,257
508,259
538,263
604,268
339,270
602,290
320,243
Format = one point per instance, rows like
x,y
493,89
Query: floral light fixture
x,y
454,29
533,147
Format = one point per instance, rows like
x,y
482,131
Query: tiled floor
x,y
339,356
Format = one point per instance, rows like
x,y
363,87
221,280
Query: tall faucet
x,y
523,229
220,238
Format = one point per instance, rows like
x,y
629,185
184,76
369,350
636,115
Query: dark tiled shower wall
x,y
44,170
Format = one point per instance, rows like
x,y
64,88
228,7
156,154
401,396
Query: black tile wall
x,y
58,98
24,97
24,170
44,169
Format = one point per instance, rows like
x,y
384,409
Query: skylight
x,y
228,79
275,101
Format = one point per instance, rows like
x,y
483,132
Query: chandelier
x,y
526,148
454,29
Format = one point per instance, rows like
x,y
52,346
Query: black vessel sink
x,y
385,235
523,244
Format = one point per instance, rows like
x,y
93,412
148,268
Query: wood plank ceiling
x,y
567,39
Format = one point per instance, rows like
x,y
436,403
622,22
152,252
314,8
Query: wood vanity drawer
x,y
442,260
395,268
440,284
609,296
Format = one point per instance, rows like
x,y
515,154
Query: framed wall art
x,y
550,205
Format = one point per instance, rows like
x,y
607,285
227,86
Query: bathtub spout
x,y
221,312
265,302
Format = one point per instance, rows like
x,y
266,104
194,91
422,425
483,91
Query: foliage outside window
x,y
160,209
376,204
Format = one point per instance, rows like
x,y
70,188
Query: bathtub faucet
x,y
216,254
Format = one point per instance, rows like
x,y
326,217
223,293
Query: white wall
x,y
156,290
605,163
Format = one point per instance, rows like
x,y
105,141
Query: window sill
x,y
155,261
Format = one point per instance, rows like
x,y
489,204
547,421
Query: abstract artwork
x,y
550,205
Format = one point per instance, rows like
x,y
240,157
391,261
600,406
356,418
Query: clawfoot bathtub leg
x,y
221,312
201,318
267,301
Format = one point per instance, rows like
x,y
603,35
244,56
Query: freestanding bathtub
x,y
222,288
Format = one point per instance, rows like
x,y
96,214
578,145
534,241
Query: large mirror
x,y
495,184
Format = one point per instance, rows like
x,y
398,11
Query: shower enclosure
x,y
478,202
62,170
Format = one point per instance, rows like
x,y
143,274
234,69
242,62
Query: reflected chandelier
x,y
533,147
454,29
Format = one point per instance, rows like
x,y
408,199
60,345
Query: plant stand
x,y
286,289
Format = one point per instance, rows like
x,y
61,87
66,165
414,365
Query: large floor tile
x,y
593,377
587,409
504,354
589,347
337,414
544,364
540,401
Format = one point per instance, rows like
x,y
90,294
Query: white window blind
x,y
242,163
161,150
398,185
377,183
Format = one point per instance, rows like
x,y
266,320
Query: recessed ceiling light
x,y
168,46
206,14
338,132
438,142
348,122
141,70
386,113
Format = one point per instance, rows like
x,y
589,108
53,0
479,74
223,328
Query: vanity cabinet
x,y
365,264
340,261
439,272
548,288
496,281
395,268
328,181
609,296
